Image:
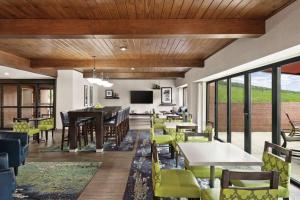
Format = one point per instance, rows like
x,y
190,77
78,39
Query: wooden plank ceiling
x,y
164,38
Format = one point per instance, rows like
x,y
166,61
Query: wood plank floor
x,y
110,180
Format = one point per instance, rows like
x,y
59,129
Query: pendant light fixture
x,y
98,81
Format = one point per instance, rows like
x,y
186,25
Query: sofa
x,y
16,146
7,178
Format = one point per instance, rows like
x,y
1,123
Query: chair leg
x,y
62,138
38,138
176,158
171,151
16,171
46,136
79,136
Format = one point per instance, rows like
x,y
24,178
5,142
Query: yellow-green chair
x,y
202,172
174,183
46,125
158,123
161,139
282,164
228,192
25,127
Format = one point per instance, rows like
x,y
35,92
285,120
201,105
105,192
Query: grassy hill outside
x,y
259,94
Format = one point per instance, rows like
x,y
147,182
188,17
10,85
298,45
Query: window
x,y
25,98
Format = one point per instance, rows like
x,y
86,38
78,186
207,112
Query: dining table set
x,y
212,153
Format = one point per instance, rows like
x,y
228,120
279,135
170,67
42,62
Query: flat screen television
x,y
141,97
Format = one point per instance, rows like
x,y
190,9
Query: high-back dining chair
x,y
65,124
174,183
281,162
229,192
22,125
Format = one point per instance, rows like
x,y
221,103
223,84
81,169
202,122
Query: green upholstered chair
x,y
24,127
162,139
46,125
205,136
158,123
228,192
282,164
174,183
202,172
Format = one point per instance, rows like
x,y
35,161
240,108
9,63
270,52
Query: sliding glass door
x,y
261,110
290,110
253,107
237,111
222,110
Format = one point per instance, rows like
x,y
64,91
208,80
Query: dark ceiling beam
x,y
17,62
132,28
126,63
136,75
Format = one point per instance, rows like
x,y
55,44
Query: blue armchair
x,y
16,146
7,178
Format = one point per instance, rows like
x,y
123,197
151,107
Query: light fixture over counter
x,y
99,81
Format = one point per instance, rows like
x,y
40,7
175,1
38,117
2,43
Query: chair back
x,y
119,117
282,163
64,118
209,130
21,126
156,171
49,121
259,193
3,160
174,117
181,130
21,119
290,121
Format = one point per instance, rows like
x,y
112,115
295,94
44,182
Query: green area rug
x,y
54,180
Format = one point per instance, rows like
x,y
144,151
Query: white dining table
x,y
172,125
216,154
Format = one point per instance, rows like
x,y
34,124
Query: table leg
x,y
99,133
73,134
212,177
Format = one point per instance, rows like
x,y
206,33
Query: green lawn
x,y
259,94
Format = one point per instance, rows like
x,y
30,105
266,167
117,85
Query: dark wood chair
x,y
229,191
112,128
65,124
81,131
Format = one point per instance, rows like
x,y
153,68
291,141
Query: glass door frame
x,y
276,104
36,106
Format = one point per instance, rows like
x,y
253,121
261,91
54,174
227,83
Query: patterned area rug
x,y
126,145
54,180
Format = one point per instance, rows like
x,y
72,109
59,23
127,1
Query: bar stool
x,y
66,124
112,128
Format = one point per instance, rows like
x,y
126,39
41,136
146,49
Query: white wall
x,y
281,41
70,92
123,88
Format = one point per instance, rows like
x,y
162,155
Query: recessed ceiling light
x,y
132,68
123,48
6,73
